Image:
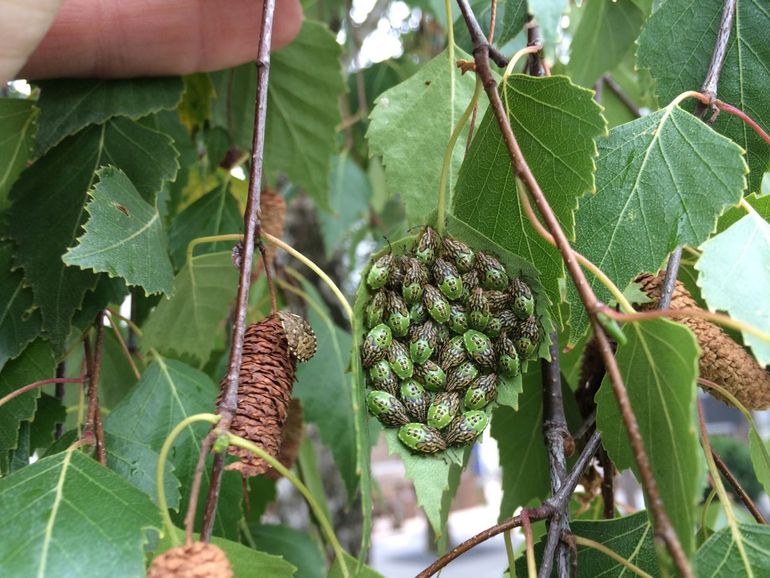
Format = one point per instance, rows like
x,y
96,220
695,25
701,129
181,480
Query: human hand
x,y
118,38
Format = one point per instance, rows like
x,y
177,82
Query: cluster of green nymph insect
x,y
444,324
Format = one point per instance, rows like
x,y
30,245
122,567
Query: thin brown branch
x,y
608,484
123,346
34,385
662,525
709,88
252,215
741,493
492,22
541,512
195,488
93,426
621,94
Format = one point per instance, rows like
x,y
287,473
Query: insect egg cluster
x,y
444,324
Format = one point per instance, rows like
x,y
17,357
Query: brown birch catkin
x,y
197,560
271,349
722,359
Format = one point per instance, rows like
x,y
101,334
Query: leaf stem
x,y
514,59
210,239
295,481
716,481
530,545
510,554
316,269
163,458
587,263
718,318
443,185
588,543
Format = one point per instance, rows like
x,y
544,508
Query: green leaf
x,y
514,19
734,275
719,555
435,479
124,236
297,548
215,213
630,537
509,21
35,363
137,464
547,15
303,97
676,45
66,515
760,459
353,569
50,411
324,388
349,200
662,181
606,31
410,128
48,202
196,311
555,123
659,366
69,105
523,457
20,322
18,121
169,392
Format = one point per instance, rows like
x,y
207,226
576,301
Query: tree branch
x,y
662,525
252,216
745,498
556,436
709,88
94,426
541,512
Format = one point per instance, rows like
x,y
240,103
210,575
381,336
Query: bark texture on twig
x,y
740,492
556,436
251,238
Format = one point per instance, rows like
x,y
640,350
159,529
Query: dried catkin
x,y
273,217
722,359
198,560
271,348
291,438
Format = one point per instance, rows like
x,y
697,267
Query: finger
x,y
22,25
114,38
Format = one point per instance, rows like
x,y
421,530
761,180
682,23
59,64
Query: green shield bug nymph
x,y
421,438
379,271
376,344
399,359
444,407
386,408
466,427
479,348
481,392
